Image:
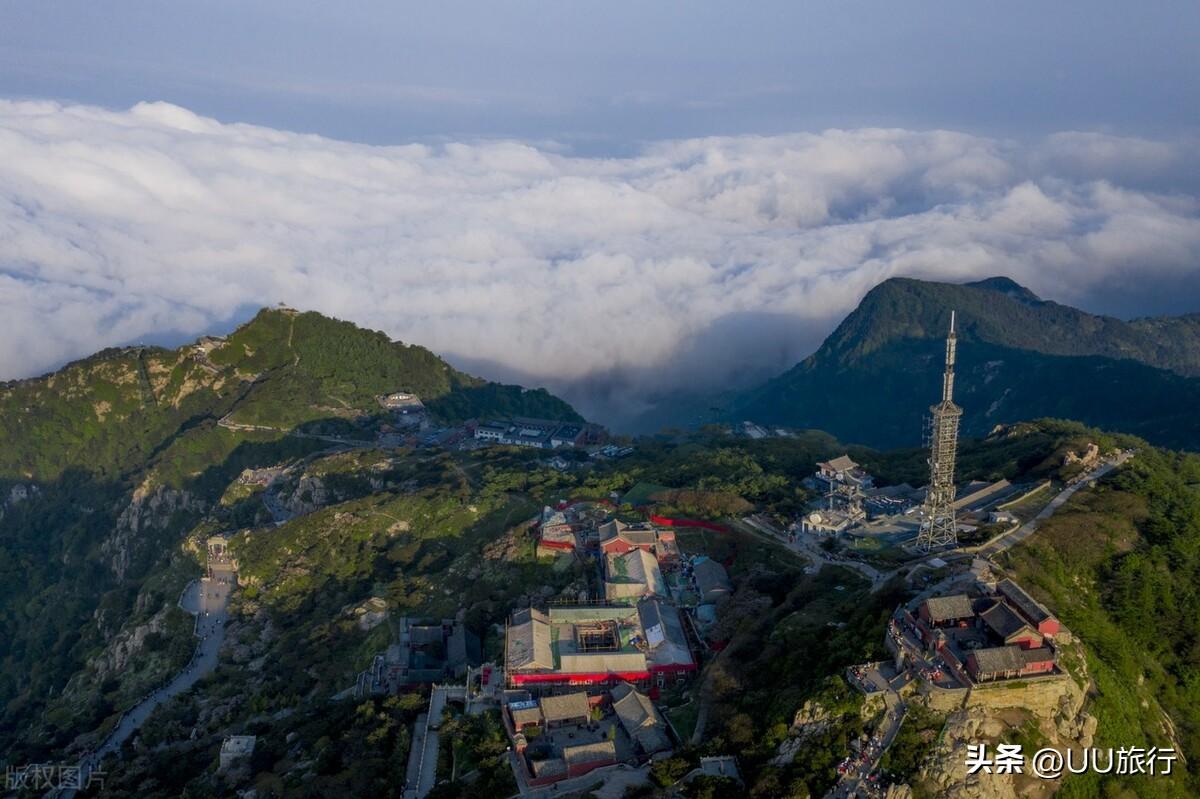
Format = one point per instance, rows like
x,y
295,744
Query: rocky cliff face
x,y
309,494
813,718
816,717
119,653
1052,712
151,509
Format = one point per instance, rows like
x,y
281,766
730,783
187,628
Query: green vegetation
x,y
1000,311
668,771
1121,563
781,652
913,743
711,475
122,454
683,719
118,411
708,787
874,378
347,749
132,471
475,758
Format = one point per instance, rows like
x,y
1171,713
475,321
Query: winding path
x,y
1008,540
893,717
208,601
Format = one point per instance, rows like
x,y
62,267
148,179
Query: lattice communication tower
x,y
939,528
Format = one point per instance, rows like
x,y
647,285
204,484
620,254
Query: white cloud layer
x,y
524,262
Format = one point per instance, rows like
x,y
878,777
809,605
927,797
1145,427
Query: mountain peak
x,y
996,309
1005,285
879,369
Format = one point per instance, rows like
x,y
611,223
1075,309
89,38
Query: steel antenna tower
x,y
939,528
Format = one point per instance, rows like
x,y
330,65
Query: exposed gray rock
x,y
126,645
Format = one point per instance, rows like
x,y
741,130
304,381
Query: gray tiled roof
x,y
947,608
999,659
1003,620
1022,601
566,707
589,753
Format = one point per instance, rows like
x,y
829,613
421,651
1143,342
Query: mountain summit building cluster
x,y
924,520
582,678
986,637
537,433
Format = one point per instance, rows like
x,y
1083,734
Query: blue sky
x,y
601,77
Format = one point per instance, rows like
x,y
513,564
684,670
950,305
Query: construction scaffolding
x,y
598,636
939,529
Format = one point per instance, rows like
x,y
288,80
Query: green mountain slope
x,y
426,533
108,462
1121,563
121,408
876,375
1000,311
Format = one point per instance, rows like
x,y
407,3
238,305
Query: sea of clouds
x,y
702,263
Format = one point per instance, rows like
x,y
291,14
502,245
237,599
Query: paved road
x,y
207,600
422,757
415,752
1030,527
437,703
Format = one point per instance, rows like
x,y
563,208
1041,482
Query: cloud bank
x,y
703,263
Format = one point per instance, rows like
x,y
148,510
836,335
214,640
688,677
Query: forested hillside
x,y
1122,564
1019,358
96,548
108,462
1000,311
115,412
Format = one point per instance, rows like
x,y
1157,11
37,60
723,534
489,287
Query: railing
x,y
667,521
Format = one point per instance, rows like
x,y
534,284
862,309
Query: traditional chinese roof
x,y
528,645
1029,607
1041,654
710,576
664,634
589,753
522,716
1004,621
426,634
999,659
640,718
547,768
565,708
842,463
635,534
634,573
949,608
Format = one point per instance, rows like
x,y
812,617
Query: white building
x,y
235,749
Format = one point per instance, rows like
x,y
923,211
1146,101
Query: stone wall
x,y
1042,696
943,700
